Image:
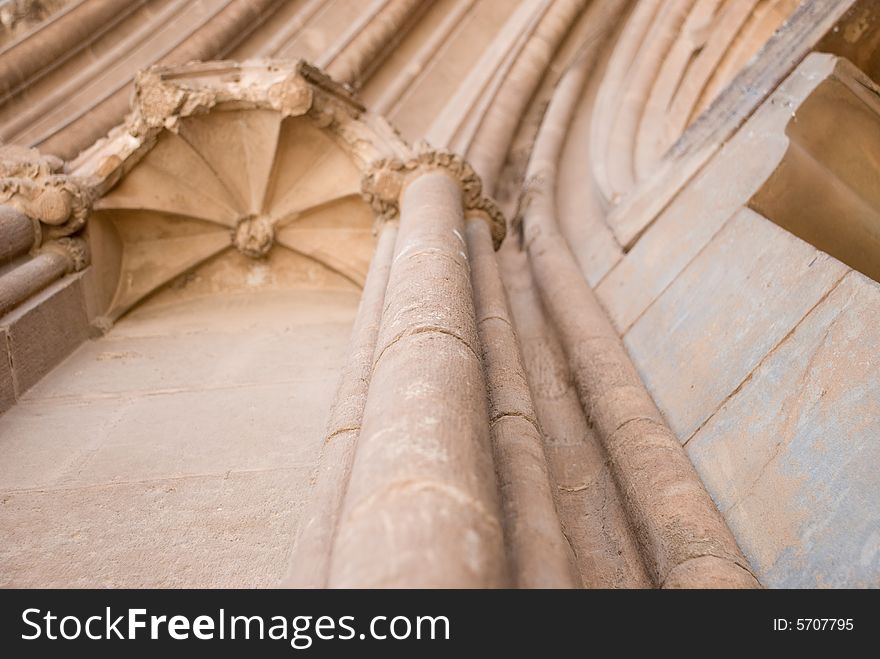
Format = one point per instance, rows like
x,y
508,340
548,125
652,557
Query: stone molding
x,y
386,179
58,197
165,95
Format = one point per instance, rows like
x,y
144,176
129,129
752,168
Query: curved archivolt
x,y
227,192
671,61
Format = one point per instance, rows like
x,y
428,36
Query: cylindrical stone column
x,y
311,553
540,555
16,233
21,282
422,505
490,145
685,541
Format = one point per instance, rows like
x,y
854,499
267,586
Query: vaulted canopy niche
x,y
229,176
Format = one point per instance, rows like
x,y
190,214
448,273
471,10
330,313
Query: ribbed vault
x,y
232,160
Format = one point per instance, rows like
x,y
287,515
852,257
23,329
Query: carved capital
x,y
166,95
75,250
33,183
384,182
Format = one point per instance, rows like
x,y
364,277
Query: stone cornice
x,y
166,95
386,179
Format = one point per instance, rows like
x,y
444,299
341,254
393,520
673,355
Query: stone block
x,y
707,332
44,330
230,530
791,458
156,435
123,364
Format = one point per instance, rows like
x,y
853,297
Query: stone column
x,y
64,33
311,553
422,509
54,260
40,207
540,555
17,233
372,41
685,541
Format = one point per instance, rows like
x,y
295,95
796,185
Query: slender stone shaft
x,y
371,42
422,506
428,49
311,553
53,40
685,541
489,147
16,233
540,555
215,38
30,277
674,517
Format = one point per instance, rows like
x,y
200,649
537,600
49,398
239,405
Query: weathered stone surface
x,y
424,442
45,329
731,306
844,27
183,311
663,71
153,435
122,365
16,233
187,430
250,180
540,555
310,559
674,517
791,459
825,188
216,530
588,501
580,213
28,278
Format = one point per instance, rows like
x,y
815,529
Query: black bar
x,y
518,623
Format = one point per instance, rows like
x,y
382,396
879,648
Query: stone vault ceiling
x,y
221,163
247,180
